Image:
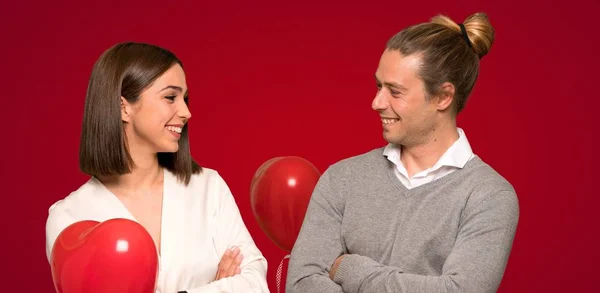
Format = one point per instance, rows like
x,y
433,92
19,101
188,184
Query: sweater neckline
x,y
429,185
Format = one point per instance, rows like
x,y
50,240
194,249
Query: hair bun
x,y
480,32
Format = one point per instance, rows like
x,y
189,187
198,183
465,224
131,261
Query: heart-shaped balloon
x,y
116,255
279,195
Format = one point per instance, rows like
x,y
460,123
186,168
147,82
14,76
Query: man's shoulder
x,y
361,162
486,184
485,175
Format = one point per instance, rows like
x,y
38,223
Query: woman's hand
x,y
229,265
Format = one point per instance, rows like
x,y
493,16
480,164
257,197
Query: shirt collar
x,y
457,155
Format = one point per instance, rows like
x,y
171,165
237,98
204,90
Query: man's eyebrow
x,y
394,85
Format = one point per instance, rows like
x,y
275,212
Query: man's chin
x,y
393,139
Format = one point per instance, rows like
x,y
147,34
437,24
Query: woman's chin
x,y
169,149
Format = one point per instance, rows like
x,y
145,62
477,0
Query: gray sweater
x,y
453,234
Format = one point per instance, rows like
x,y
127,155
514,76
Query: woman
x,y
134,145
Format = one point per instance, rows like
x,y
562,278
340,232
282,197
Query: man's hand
x,y
229,265
335,266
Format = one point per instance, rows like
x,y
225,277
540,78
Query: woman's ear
x,y
125,110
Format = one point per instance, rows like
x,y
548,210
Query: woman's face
x,y
154,123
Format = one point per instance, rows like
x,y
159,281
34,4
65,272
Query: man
x,y
424,213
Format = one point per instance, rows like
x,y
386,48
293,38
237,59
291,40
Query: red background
x,y
276,79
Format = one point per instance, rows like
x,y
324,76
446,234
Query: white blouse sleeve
x,y
57,221
232,232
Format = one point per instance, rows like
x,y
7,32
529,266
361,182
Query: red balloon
x,y
117,255
279,196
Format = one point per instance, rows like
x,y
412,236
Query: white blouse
x,y
199,222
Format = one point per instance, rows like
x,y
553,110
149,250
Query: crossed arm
x,y
244,268
476,263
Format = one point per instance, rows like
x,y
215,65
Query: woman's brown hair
x,y
125,70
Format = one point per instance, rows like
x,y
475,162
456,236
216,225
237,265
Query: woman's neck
x,y
145,174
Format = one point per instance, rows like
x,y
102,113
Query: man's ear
x,y
125,110
445,97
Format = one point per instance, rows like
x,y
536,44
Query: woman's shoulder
x,y
66,211
204,186
77,197
206,177
206,173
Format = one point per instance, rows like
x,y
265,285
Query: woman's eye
x,y
172,98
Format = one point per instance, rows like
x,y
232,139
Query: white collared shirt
x,y
453,159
